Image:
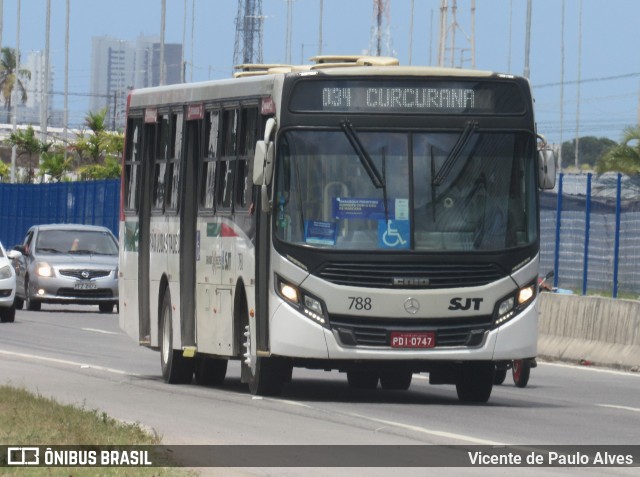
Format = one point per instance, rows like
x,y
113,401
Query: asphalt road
x,y
80,356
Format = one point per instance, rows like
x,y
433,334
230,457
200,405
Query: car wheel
x,y
18,303
30,303
106,307
8,315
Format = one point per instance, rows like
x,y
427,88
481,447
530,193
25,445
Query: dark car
x,y
67,263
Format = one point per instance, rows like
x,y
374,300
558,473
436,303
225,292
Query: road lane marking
x,y
591,368
398,425
96,330
624,408
68,363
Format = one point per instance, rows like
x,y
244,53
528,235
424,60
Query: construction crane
x,y
248,43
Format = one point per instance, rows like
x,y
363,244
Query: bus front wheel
x,y
176,369
475,381
266,376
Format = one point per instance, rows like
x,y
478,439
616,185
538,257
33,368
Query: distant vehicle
x,y
7,285
67,263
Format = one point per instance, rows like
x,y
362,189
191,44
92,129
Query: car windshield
x,y
462,191
76,241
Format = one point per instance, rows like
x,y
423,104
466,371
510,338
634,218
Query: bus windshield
x,y
440,191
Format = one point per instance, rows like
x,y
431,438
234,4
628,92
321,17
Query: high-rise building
x,y
36,87
118,66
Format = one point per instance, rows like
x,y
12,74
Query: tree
x,y
11,76
4,170
591,150
55,165
624,157
101,147
27,143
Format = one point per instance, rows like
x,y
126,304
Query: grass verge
x,y
28,420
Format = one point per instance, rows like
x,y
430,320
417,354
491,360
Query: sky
x,y
607,60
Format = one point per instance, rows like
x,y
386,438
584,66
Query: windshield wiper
x,y
374,174
454,154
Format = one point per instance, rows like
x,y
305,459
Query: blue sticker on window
x,y
368,209
319,233
393,234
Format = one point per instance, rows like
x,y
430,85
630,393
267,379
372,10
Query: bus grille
x,y
363,331
382,275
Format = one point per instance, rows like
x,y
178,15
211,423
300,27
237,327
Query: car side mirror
x,y
13,254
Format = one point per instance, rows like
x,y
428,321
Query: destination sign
x,y
413,97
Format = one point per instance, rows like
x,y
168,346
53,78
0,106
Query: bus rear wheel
x,y
176,369
210,371
475,381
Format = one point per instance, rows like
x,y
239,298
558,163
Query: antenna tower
x,y
248,44
381,29
448,47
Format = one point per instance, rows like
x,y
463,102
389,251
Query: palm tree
x,y
11,77
624,157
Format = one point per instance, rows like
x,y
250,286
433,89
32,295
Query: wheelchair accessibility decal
x,y
393,234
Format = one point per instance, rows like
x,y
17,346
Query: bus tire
x,y
362,379
501,375
266,376
397,381
210,371
176,369
475,381
521,371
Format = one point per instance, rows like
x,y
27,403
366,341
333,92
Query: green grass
x,y
28,420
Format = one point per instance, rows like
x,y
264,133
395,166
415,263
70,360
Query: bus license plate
x,y
85,286
424,339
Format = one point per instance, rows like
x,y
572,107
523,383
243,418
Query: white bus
x,y
353,215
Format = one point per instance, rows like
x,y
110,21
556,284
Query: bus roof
x,y
258,79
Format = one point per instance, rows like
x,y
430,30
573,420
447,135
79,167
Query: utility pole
x,y
448,35
577,156
561,83
527,43
162,28
44,102
287,43
65,119
381,29
14,94
320,28
411,32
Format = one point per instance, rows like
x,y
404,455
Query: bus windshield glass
x,y
440,191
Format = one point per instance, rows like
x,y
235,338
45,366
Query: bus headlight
x,y
509,307
305,303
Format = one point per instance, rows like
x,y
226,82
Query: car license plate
x,y
415,339
85,286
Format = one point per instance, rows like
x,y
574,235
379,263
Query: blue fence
x,y
87,202
590,234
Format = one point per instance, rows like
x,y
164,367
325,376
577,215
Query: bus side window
x,y
248,131
173,163
207,177
133,160
228,159
162,155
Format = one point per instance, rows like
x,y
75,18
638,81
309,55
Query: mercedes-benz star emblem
x,y
412,305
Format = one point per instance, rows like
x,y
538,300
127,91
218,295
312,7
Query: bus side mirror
x,y
263,156
546,169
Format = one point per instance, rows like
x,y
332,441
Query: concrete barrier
x,y
603,331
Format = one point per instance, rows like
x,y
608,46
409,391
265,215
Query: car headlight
x,y
5,272
510,306
301,300
43,269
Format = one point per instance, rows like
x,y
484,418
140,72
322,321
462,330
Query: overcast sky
x,y
610,59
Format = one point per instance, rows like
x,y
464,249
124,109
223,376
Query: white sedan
x,y
7,285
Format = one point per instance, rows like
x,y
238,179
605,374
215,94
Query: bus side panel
x,y
128,279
